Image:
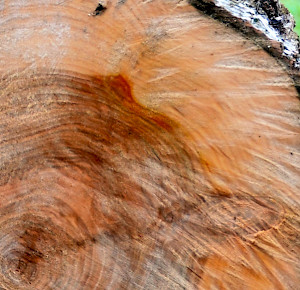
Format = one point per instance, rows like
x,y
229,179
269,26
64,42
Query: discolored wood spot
x,y
99,10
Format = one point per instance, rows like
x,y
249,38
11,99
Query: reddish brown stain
x,y
121,89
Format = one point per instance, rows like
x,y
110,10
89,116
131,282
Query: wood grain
x,y
150,146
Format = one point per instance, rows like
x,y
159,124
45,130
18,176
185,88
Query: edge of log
x,y
268,23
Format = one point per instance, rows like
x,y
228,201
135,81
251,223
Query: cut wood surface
x,y
147,145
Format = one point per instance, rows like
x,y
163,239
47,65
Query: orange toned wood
x,y
146,147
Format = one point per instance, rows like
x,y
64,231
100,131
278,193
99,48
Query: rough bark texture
x,y
268,23
147,145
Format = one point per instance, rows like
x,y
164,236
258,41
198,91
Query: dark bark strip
x,y
276,37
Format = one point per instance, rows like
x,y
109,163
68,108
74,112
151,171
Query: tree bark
x,y
149,144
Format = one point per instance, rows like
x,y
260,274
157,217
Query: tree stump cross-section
x,y
149,145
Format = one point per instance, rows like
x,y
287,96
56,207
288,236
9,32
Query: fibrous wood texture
x,y
146,145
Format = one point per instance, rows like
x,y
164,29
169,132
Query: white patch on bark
x,y
260,21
